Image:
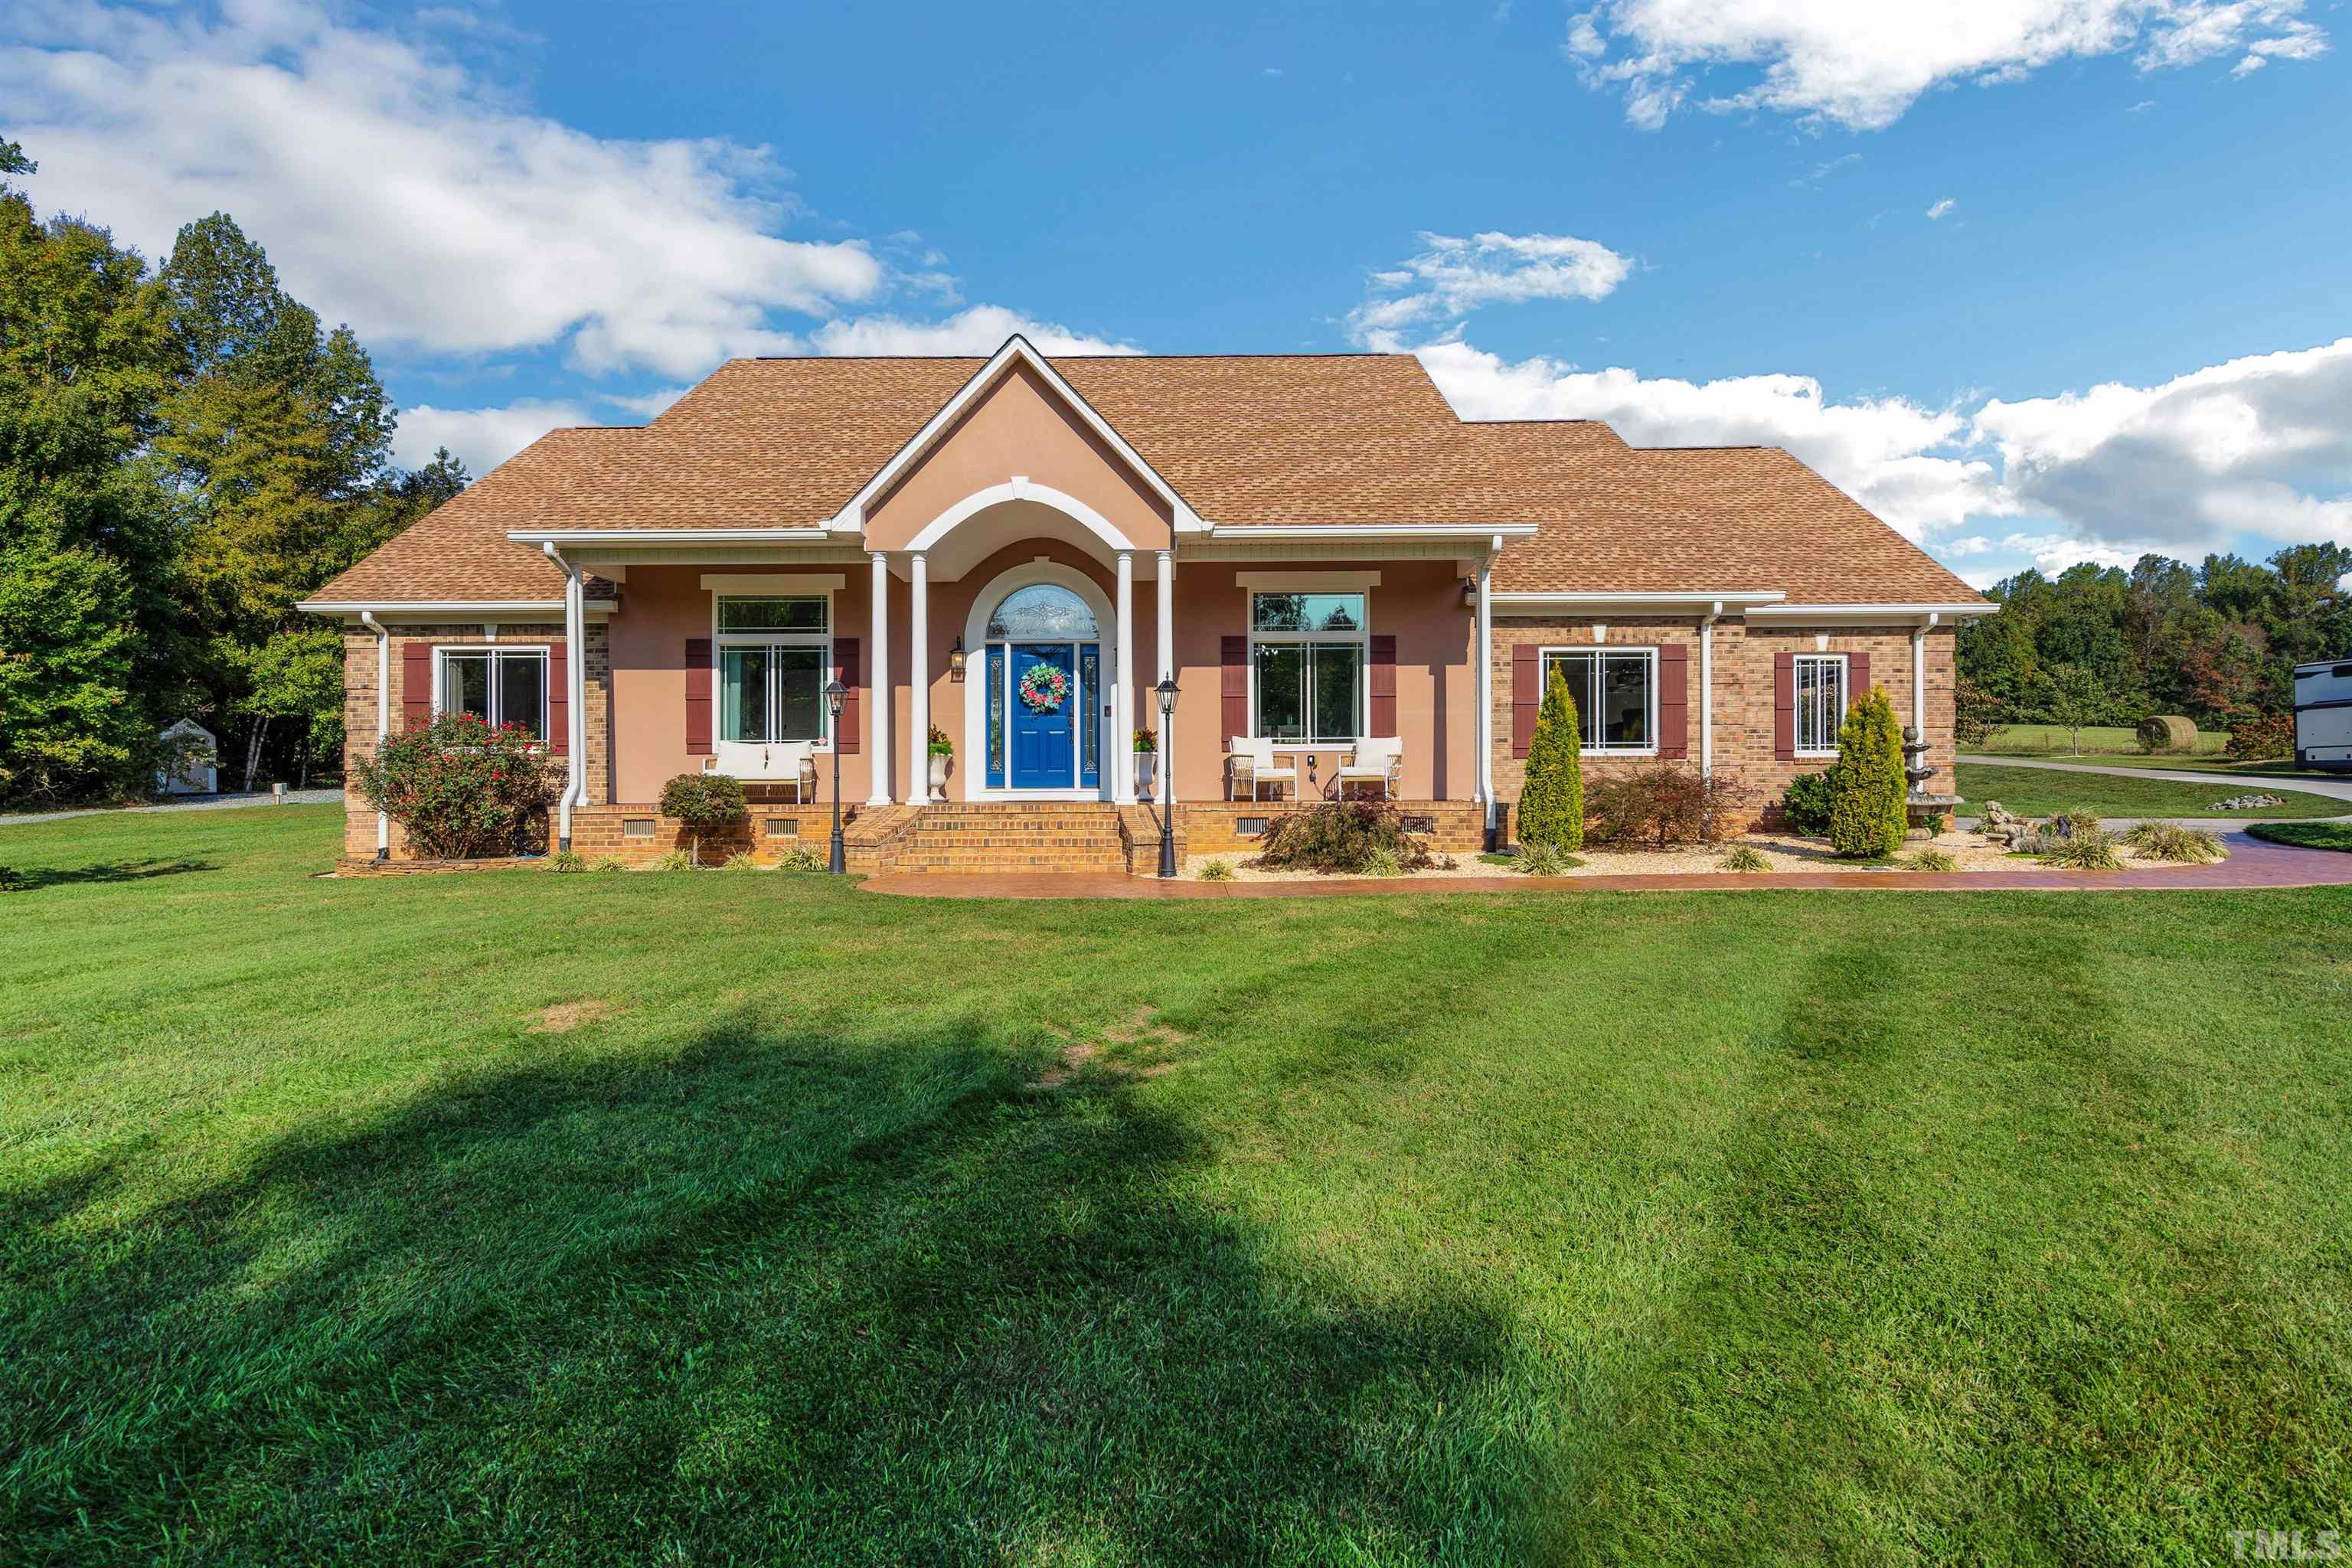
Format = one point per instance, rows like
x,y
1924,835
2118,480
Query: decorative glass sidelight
x,y
1090,728
996,715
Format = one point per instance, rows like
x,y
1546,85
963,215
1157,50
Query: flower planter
x,y
1146,768
939,761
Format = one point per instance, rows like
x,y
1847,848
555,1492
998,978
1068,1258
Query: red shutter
x,y
559,697
1384,713
698,697
1674,700
416,685
1784,706
1857,678
844,670
1234,686
1526,695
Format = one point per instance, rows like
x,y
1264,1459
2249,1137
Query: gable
x,y
1019,425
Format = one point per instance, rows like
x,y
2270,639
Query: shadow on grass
x,y
34,878
791,1297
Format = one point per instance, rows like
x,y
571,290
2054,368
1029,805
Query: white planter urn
x,y
1146,767
939,761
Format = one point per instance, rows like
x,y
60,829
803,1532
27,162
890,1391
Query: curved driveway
x,y
2228,783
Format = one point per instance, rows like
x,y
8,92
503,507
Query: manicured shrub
x,y
675,861
1661,805
1217,871
1744,857
1551,803
1383,862
2091,851
742,861
609,863
1933,860
2075,819
565,860
1341,837
1545,860
1866,817
1807,804
2259,740
460,787
703,802
801,858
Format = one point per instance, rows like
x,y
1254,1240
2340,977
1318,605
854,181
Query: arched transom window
x,y
1042,612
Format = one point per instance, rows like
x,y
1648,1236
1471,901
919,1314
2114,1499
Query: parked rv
x,y
2323,716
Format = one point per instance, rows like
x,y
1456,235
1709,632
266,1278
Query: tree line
x,y
186,452
2217,643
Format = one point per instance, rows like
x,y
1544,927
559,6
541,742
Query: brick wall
x,y
1742,691
592,727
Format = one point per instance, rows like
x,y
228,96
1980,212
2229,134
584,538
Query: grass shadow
x,y
773,1296
34,878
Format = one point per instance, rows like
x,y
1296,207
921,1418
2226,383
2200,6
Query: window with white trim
x,y
497,685
1616,694
775,655
1820,702
1307,655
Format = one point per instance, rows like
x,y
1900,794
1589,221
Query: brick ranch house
x,y
1018,550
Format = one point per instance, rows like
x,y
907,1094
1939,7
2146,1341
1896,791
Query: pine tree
x,y
1552,804
1867,814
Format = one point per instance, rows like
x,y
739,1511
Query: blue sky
x,y
2050,280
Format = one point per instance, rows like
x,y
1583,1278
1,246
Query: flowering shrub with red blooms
x,y
459,787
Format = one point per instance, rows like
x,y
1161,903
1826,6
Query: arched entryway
x,y
1038,708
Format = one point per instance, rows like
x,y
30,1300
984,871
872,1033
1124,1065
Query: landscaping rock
x,y
2247,803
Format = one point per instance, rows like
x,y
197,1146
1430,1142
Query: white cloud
x,y
2252,454
978,330
1455,277
1897,458
1940,208
398,190
483,437
2253,445
1862,63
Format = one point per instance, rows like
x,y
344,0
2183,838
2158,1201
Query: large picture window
x,y
1616,693
498,686
1307,662
1820,702
774,658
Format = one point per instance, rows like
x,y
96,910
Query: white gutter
x,y
1706,689
541,536
1488,530
382,718
1698,599
461,609
575,747
1868,612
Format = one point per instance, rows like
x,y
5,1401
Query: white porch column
x,y
383,717
1167,586
1485,728
918,683
876,738
1122,719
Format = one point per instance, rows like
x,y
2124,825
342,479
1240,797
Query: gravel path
x,y
192,803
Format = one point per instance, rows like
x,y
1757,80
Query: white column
x,y
1167,586
1485,728
1122,722
918,683
877,739
382,718
575,617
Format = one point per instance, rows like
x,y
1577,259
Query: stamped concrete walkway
x,y
2252,864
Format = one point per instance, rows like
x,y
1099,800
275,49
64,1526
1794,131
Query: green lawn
x,y
1867,1227
2038,792
2057,741
2307,834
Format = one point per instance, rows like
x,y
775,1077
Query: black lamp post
x,y
834,693
1167,689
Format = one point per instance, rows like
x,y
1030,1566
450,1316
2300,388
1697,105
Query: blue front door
x,y
1045,713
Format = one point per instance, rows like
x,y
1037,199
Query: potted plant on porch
x,y
942,750
1147,756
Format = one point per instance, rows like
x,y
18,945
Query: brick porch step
x,y
1011,835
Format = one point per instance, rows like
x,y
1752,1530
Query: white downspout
x,y
575,773
1706,689
1919,674
1485,728
383,717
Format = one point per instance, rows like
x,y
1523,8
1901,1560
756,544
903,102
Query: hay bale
x,y
2166,734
